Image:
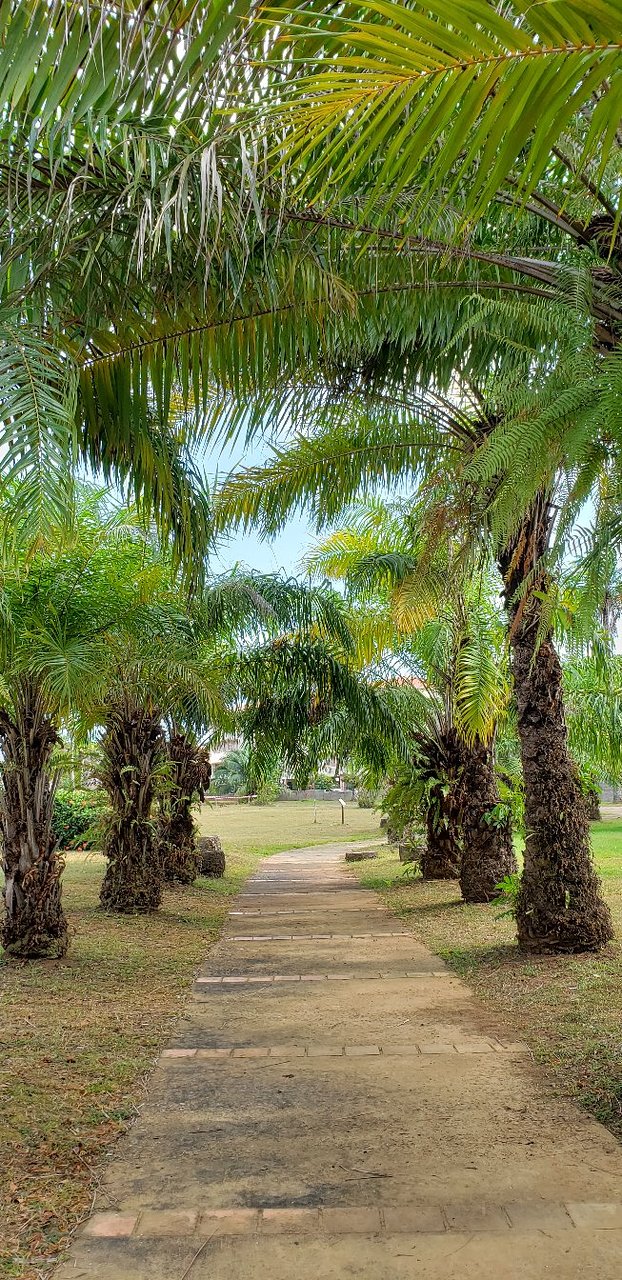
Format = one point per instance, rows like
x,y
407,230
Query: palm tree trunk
x,y
189,779
133,753
487,848
34,923
439,761
560,908
442,855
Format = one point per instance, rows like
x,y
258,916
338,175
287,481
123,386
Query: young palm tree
x,y
304,701
177,662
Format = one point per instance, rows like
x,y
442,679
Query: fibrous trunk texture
x,y
34,923
133,755
439,761
442,854
559,908
189,779
487,848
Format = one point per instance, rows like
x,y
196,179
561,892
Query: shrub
x,y
324,782
77,818
367,799
267,792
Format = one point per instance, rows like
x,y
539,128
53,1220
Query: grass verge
x,y
80,1036
568,1009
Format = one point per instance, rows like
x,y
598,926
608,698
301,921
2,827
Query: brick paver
x,y
422,1219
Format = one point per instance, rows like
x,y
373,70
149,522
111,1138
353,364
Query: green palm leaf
x,y
38,446
448,99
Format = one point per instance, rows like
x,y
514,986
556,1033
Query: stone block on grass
x,y
210,857
360,855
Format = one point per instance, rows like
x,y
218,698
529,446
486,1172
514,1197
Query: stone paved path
x,y
337,1105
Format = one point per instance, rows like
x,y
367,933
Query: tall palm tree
x,y
396,426
445,622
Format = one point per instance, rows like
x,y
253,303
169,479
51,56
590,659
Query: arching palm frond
x,y
38,439
384,99
295,689
481,677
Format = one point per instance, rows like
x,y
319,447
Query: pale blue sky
x,y
283,552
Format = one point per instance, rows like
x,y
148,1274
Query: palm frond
x,y
449,101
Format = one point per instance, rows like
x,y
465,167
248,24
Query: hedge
x,y
76,820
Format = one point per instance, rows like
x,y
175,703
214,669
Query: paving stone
x,y
228,1222
214,1053
250,1053
170,1222
476,1217
427,1217
278,1221
361,1050
351,1221
433,1046
178,1053
325,1051
473,1046
111,1225
401,1050
538,1216
286,1053
596,1217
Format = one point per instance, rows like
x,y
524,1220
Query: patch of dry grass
x,y
80,1036
568,1009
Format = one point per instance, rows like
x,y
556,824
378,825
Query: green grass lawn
x,y
79,1036
568,1009
288,824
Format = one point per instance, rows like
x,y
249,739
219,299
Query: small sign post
x,y
343,812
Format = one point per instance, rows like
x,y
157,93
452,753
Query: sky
x,y
283,553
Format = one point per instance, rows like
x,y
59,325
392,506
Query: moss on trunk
x,y
439,758
442,855
189,779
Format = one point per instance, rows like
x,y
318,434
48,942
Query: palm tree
x,y
304,701
396,426
177,661
446,625
58,605
189,776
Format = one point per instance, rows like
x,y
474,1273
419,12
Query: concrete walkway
x,y
335,1105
